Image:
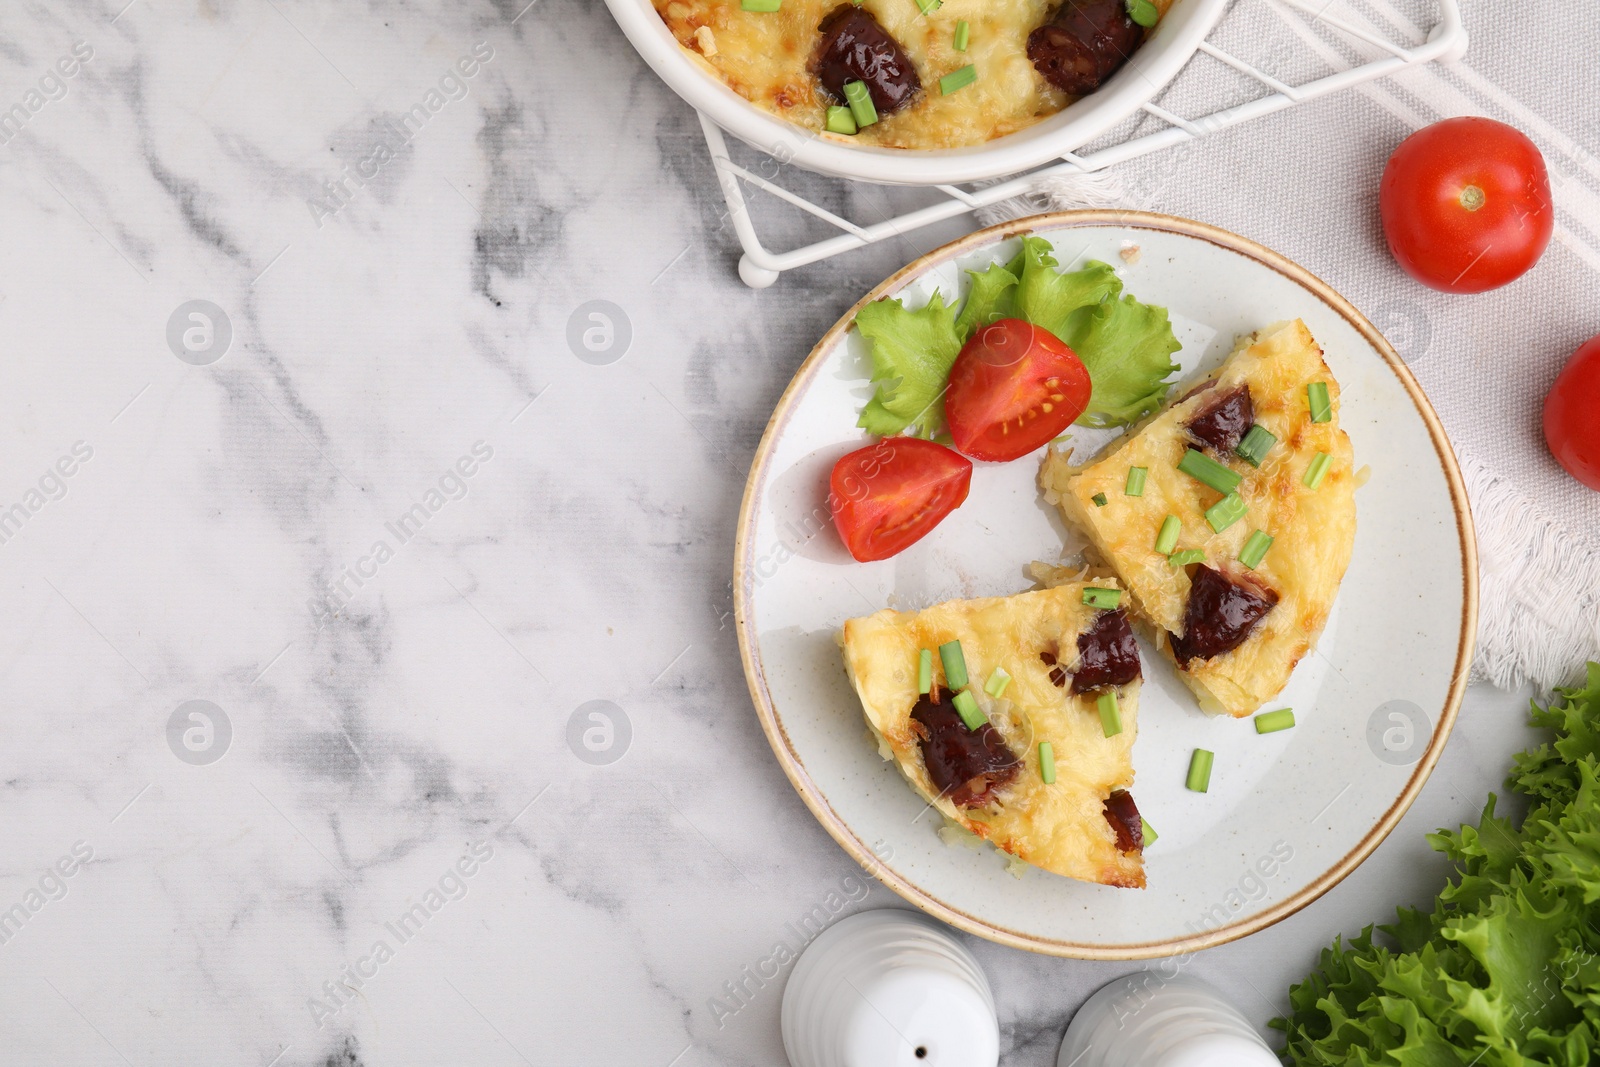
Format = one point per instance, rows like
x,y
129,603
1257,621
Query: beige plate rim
x,y
858,849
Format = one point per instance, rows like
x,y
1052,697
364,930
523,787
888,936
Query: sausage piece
x,y
968,766
1223,422
1083,44
1222,611
855,47
1123,815
1107,653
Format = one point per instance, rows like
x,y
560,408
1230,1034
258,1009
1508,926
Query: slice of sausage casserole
x,y
1235,546
1015,718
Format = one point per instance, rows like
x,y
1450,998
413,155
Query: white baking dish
x,y
1152,66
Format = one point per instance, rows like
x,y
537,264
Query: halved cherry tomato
x,y
888,496
1013,388
1466,204
1571,426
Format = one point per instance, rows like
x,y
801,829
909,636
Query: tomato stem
x,y
1472,198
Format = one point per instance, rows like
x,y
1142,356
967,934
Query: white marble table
x,y
396,532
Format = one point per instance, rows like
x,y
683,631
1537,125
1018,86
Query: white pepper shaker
x,y
889,988
1151,1020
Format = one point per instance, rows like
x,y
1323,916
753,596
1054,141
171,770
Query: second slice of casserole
x,y
1229,517
1015,718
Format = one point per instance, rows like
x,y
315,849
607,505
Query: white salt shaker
x,y
889,988
1150,1020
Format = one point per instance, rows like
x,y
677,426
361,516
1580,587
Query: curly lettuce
x,y
1060,302
1125,345
1505,969
989,299
911,356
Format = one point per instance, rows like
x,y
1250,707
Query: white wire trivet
x,y
760,266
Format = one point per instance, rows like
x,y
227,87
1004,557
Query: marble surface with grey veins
x,y
367,669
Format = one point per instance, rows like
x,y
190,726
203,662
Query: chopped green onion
x,y
1143,12
760,5
1256,444
1167,539
1102,598
963,35
967,707
1199,779
1047,762
1203,468
1186,557
996,685
1136,477
1317,470
1110,714
928,7
1099,500
860,100
1149,837
958,79
1321,406
840,120
925,671
1273,721
1227,511
1255,547
955,664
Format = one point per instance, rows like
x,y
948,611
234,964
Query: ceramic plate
x,y
1288,814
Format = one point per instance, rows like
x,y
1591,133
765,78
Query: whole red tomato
x,y
1572,415
1466,205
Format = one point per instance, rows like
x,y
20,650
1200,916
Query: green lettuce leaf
x,y
1125,345
990,299
1505,970
911,356
1059,302
1127,348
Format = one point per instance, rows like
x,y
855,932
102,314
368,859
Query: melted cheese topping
x,y
766,58
1313,530
1060,827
